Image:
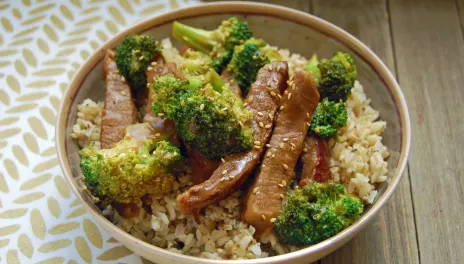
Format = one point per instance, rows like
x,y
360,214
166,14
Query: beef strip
x,y
228,77
161,125
316,161
201,167
264,198
263,102
119,110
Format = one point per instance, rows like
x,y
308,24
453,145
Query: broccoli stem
x,y
196,38
312,67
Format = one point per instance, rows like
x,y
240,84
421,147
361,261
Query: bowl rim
x,y
251,8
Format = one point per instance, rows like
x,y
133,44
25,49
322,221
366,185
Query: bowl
x,y
287,28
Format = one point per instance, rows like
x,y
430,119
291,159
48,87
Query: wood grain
x,y
429,53
390,238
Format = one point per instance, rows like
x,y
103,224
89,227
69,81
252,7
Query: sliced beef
x,y
263,102
316,161
162,125
119,110
202,168
229,78
264,198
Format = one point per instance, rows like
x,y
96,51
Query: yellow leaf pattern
x,y
42,44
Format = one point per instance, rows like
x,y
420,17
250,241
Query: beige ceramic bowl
x,y
301,33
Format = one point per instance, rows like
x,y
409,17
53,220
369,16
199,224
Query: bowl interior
x,y
276,31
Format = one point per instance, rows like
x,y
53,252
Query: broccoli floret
x,y
246,62
132,168
133,56
328,118
208,115
218,43
191,63
315,213
337,76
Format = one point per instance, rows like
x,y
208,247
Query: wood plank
x,y
429,53
390,238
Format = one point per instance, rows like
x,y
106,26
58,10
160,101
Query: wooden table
x,y
422,44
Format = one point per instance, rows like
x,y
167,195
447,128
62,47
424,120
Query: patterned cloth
x,y
42,44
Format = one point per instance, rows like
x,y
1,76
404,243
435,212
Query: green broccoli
x,y
315,213
191,63
208,115
312,66
133,56
337,76
218,43
132,168
247,59
328,118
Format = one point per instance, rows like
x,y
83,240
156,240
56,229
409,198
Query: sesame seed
x,y
293,145
307,115
268,126
270,116
285,139
268,145
286,92
123,79
240,123
160,114
269,83
289,96
307,123
293,86
223,179
261,58
223,160
242,41
141,57
123,92
282,107
153,63
245,104
182,103
273,155
261,124
254,57
149,68
269,67
268,155
263,216
273,220
148,85
281,145
273,93
202,106
278,68
157,134
282,196
202,78
185,38
136,51
284,182
280,97
285,166
264,165
257,142
224,172
255,190
260,114
231,176
257,147
305,150
280,185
